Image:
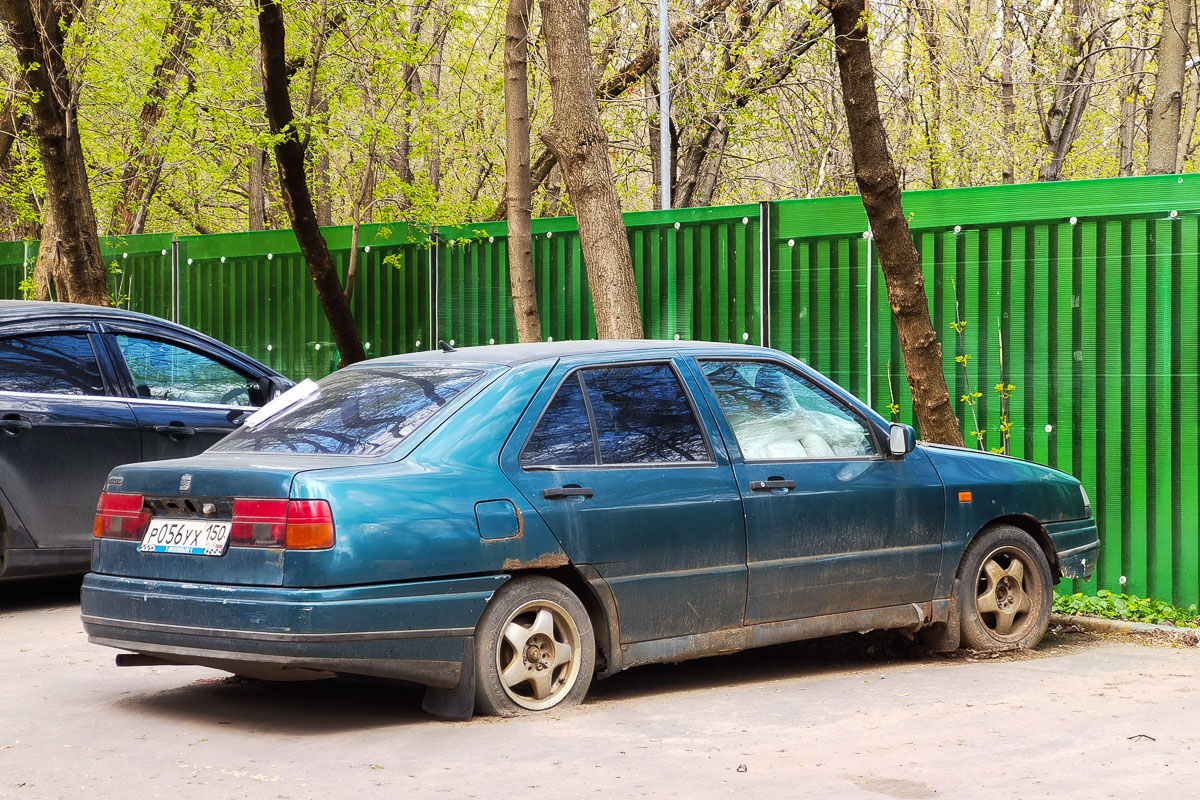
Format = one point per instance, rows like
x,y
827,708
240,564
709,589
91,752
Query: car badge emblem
x,y
185,484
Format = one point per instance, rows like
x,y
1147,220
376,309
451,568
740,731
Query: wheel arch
x,y
597,599
1031,525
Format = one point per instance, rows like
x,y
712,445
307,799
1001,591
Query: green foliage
x,y
1126,606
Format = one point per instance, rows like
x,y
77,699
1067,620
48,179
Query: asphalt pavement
x,y
853,717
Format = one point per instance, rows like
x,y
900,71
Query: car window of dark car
x,y
165,371
563,436
359,411
53,363
778,415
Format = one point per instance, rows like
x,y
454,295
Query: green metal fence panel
x,y
1089,290
1082,296
253,291
698,274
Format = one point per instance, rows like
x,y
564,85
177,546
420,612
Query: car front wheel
x,y
1005,591
534,649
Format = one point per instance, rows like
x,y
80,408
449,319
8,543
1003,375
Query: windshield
x,y
359,411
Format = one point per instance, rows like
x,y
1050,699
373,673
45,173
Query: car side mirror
x,y
271,387
902,440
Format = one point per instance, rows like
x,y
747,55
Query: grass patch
x,y
1126,606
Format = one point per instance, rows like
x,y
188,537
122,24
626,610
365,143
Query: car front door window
x,y
777,415
164,371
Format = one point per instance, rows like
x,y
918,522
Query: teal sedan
x,y
504,524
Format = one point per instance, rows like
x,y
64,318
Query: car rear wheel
x,y
1005,591
534,649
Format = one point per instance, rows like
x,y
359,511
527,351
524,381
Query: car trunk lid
x,y
198,491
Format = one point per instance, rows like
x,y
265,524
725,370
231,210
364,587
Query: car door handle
x,y
14,424
175,430
771,485
565,492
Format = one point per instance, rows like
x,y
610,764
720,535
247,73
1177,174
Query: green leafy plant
x,y
1127,607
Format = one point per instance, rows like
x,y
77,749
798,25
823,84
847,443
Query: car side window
x,y
778,415
643,416
165,371
563,436
51,363
632,415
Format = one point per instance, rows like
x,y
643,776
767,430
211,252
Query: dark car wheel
x,y
1005,591
534,649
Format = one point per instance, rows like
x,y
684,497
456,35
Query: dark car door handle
x,y
174,429
566,491
14,423
773,483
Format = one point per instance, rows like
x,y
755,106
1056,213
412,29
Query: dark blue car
x,y
501,524
83,389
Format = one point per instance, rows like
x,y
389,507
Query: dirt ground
x,y
851,717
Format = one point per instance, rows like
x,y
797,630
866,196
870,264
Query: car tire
x,y
1005,591
534,649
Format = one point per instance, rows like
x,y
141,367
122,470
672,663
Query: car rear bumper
x,y
410,631
1077,543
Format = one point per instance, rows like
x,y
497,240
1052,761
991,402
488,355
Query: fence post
x,y
765,257
175,279
433,288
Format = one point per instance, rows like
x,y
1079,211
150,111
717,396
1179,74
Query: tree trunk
x,y
435,91
1135,59
1061,122
178,36
256,203
1191,108
1008,103
933,116
410,80
1166,107
625,78
293,183
580,144
876,177
71,253
516,166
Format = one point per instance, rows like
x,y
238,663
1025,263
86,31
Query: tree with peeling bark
x,y
519,193
1167,105
293,182
69,257
580,144
876,177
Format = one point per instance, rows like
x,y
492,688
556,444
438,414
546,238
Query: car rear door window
x,y
563,436
164,371
52,363
778,415
639,414
643,416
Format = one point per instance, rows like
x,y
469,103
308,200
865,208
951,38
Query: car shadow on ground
x,y
35,594
340,705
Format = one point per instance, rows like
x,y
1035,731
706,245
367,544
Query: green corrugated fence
x,y
1090,290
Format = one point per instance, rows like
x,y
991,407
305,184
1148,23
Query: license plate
x,y
197,537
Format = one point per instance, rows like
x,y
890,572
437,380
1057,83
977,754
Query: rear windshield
x,y
360,411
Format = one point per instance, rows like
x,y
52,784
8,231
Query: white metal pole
x,y
664,105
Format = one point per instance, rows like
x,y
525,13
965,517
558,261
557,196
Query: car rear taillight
x,y
294,524
120,516
309,525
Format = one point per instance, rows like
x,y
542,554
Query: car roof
x,y
513,354
41,309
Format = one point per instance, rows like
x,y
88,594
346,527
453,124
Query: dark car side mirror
x,y
902,440
271,387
